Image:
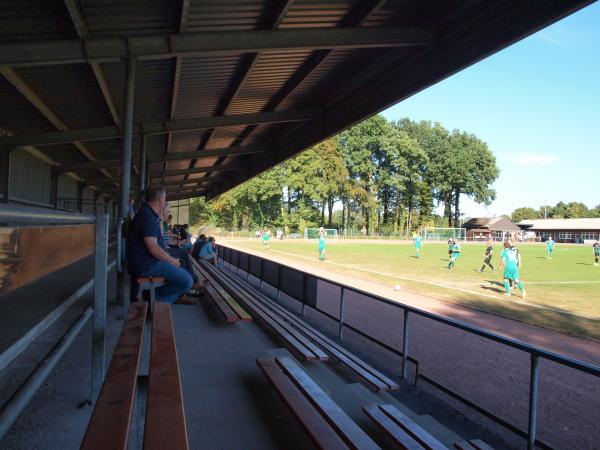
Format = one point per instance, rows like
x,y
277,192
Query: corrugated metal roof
x,y
347,84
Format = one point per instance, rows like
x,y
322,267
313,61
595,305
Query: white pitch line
x,y
481,294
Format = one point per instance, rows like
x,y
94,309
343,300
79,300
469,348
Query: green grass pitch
x,y
562,293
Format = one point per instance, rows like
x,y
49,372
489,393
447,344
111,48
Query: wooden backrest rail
x,y
165,426
318,429
348,430
109,425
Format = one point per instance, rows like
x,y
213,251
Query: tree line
x,y
562,210
378,176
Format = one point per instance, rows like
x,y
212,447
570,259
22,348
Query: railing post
x,y
100,288
341,321
303,293
533,399
261,275
405,345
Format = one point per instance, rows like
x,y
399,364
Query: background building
x,y
563,230
499,228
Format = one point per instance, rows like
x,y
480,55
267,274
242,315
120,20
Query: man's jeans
x,y
178,281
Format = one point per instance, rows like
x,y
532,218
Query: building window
x,y
565,236
589,236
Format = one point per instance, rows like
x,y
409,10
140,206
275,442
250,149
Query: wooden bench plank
x,y
396,434
165,416
354,436
229,315
244,297
413,429
109,424
319,430
292,337
241,313
362,369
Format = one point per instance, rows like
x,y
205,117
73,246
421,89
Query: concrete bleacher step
x,y
437,430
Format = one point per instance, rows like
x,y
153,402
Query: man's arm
x,y
157,251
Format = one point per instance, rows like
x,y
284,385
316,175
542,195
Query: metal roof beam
x,y
99,50
222,168
84,33
179,156
172,173
354,18
199,123
36,101
244,73
189,194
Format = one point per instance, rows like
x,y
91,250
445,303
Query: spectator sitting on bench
x,y
207,252
147,258
202,239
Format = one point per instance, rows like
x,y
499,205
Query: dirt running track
x,y
489,374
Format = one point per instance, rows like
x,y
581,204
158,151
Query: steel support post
x,y
142,175
341,321
80,188
5,152
100,297
405,345
54,189
126,175
533,400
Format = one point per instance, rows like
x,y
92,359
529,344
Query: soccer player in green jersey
x,y
418,243
596,250
455,255
511,262
266,236
322,235
549,247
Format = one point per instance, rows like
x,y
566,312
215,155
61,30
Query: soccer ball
x,y
397,287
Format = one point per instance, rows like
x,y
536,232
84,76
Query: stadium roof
x,y
225,90
561,224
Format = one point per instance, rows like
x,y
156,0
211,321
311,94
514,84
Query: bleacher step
x,y
437,430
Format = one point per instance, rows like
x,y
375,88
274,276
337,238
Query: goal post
x,y
311,234
443,234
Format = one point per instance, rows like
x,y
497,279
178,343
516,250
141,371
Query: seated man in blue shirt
x,y
147,258
207,252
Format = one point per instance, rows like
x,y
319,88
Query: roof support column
x,y
54,188
5,152
127,137
123,278
142,174
80,188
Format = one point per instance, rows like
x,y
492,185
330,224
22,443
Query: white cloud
x,y
531,159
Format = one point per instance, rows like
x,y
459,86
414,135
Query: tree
x,y
364,147
524,213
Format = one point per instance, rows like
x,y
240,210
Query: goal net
x,y
313,234
443,234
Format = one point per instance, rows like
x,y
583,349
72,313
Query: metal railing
x,y
13,215
307,298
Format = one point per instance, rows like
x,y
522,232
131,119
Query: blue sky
x,y
537,105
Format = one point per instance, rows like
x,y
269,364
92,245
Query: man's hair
x,y
154,193
506,244
211,239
